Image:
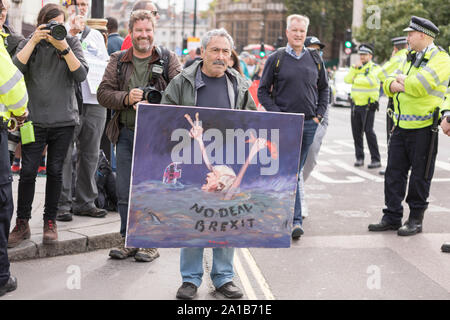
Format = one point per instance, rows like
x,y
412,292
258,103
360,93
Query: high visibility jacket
x,y
425,88
365,83
13,92
392,65
446,105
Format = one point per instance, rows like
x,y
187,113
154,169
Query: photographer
x,y
88,134
129,71
52,64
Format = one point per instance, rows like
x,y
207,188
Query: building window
x,y
240,34
274,30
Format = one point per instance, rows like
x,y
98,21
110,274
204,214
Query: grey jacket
x,y
51,85
182,90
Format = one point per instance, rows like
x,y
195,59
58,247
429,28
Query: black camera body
x,y
151,94
57,31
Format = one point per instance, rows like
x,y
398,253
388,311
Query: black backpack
x,y
105,179
279,60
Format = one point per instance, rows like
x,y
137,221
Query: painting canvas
x,y
212,177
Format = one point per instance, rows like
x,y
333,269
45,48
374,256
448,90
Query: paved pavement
x,y
82,234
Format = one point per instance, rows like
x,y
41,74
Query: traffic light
x,y
185,49
349,46
262,51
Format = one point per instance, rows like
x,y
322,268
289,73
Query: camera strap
x,y
161,67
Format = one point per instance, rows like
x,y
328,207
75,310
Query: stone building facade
x,y
252,21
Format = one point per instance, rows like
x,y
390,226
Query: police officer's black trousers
x,y
389,121
6,205
362,120
408,150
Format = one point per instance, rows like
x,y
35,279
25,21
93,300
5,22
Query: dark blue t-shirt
x,y
301,87
214,93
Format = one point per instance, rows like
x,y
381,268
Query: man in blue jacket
x,y
282,90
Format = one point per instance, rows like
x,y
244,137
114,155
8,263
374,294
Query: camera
x,y
151,94
57,31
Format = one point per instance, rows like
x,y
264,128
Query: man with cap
x,y
365,95
13,103
398,56
313,43
417,90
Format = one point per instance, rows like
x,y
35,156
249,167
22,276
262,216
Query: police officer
x,y
417,90
13,102
365,94
398,56
445,125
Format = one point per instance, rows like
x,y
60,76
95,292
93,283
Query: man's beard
x,y
142,49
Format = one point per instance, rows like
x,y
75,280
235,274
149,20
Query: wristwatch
x,y
64,52
320,118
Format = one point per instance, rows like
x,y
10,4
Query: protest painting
x,y
210,177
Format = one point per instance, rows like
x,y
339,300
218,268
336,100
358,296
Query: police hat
x,y
365,49
310,40
422,25
399,40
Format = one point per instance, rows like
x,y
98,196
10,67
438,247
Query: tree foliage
x,y
328,18
395,16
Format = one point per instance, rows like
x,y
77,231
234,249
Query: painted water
x,y
173,216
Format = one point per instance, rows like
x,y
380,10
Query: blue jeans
x,y
191,266
309,130
124,156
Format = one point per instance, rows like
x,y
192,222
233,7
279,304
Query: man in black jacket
x,y
282,90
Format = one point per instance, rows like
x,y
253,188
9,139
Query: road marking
x,y
250,293
357,171
333,152
443,165
325,179
257,274
346,143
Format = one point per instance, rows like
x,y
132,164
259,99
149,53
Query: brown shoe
x,y
20,232
122,252
50,232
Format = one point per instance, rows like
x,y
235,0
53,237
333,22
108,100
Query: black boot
x,y
384,226
9,286
413,225
446,247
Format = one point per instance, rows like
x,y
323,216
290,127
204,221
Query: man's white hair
x,y
297,17
216,33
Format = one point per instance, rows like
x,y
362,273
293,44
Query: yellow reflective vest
x,y
394,63
425,88
13,92
365,83
446,104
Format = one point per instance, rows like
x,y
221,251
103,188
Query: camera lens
x,y
154,96
58,32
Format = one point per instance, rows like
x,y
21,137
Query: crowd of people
x,y
67,106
